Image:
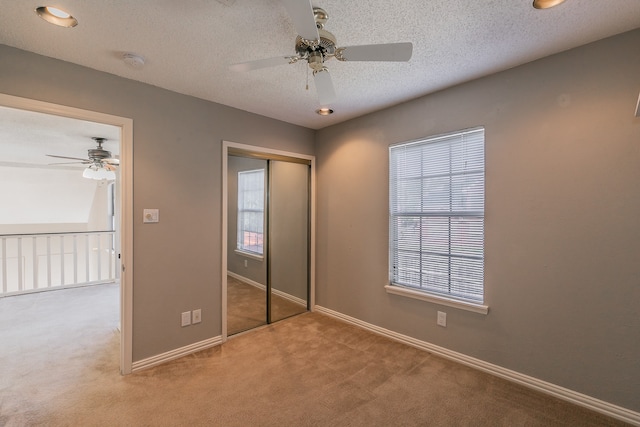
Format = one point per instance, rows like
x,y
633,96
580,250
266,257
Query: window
x,y
251,211
437,216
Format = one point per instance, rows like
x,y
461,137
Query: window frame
x,y
417,288
241,210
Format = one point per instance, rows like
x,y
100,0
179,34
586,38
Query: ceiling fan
x,y
101,164
316,45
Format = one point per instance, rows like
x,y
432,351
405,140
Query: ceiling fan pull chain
x,y
307,87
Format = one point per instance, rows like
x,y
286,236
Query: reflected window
x,y
251,212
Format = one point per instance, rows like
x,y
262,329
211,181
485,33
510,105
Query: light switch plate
x,y
151,215
185,318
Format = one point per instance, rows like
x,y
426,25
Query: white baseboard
x,y
289,297
284,295
175,354
580,399
247,281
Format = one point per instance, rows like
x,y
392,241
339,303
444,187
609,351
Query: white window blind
x,y
251,211
437,215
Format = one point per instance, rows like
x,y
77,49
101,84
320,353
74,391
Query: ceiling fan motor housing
x,y
98,153
315,54
327,44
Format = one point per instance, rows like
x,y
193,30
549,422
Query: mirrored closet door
x,y
268,240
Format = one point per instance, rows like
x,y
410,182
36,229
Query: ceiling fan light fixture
x,y
324,111
546,4
98,173
56,16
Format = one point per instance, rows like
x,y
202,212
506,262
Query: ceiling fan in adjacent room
x,y
315,45
101,164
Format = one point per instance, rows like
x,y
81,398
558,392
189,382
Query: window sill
x,y
249,255
409,293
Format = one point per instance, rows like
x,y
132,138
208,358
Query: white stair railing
x,y
44,261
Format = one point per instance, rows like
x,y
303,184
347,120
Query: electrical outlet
x,y
246,263
186,318
196,317
442,319
151,215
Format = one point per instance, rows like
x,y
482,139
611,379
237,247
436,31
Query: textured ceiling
x,y
190,44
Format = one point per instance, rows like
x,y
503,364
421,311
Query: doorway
x,y
268,210
122,241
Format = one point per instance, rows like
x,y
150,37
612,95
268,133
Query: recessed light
x,y
546,4
324,111
56,16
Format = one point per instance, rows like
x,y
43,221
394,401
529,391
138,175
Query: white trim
x,y
246,280
159,359
126,202
289,297
571,396
249,254
410,293
59,288
223,264
264,150
226,145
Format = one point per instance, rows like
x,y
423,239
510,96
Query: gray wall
x,y
256,269
177,169
562,275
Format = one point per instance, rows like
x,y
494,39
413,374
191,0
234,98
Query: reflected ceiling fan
x,y
101,164
316,45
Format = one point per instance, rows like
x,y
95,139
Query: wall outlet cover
x,y
442,319
151,215
196,317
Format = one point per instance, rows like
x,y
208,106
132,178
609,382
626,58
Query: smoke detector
x,y
133,60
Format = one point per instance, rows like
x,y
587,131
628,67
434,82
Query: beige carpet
x,y
246,307
59,367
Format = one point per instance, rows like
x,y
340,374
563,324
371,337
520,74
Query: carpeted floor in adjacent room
x,y
59,367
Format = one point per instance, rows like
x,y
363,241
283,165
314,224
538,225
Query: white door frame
x,y
126,204
226,145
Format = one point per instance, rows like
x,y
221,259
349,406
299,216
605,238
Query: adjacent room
x,y
323,213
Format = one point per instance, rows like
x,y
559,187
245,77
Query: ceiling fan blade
x,y
109,167
301,13
114,162
324,87
376,52
69,163
65,157
261,63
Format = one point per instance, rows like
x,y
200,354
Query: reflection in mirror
x,y
288,268
246,264
246,306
